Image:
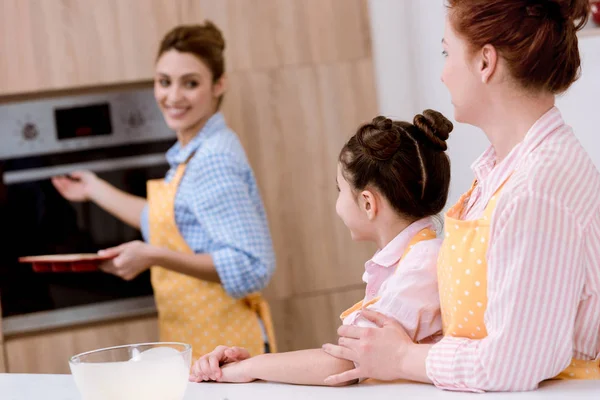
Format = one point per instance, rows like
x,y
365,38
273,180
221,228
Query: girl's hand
x,y
210,366
236,372
79,187
130,259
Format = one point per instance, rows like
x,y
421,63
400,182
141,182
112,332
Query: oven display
x,y
80,122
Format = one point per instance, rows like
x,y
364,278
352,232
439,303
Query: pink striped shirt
x,y
543,266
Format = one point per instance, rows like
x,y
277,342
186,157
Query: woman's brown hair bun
x,y
536,38
211,33
205,41
434,129
573,12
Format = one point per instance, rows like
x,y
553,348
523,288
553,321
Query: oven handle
x,y
113,164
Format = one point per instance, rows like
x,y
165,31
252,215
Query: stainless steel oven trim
x,y
78,315
113,164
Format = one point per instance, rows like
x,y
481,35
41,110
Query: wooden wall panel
x,y
275,33
56,45
293,123
2,359
301,81
308,321
49,352
52,44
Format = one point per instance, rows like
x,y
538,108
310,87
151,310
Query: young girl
x,y
392,178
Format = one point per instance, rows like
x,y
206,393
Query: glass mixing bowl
x,y
149,371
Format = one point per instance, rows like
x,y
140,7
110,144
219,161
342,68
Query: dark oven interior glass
x,y
36,220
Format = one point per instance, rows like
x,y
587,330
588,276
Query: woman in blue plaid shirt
x,y
206,234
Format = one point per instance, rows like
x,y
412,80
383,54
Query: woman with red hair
x,y
519,269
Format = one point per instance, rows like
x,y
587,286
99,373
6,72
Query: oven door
x,y
37,220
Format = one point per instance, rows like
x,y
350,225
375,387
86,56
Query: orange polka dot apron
x,y
462,276
191,310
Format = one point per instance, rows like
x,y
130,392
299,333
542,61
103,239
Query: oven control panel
x,y
73,123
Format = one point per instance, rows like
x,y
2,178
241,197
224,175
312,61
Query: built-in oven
x,y
121,137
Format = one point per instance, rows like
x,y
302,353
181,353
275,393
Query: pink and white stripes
x,y
543,266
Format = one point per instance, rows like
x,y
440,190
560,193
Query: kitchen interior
x,y
302,75
300,80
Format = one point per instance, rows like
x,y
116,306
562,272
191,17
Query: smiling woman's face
x,y
184,91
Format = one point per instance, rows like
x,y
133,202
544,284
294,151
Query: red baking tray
x,y
65,262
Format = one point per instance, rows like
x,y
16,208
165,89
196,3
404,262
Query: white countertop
x,y
62,387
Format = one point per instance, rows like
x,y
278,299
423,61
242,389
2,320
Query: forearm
x,y
413,365
126,207
199,266
304,367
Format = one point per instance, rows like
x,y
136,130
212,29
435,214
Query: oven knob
x,y
30,131
135,119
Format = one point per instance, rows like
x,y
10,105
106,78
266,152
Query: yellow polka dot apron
x,y
424,234
191,310
462,276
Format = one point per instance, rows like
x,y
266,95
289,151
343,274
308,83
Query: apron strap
x,y
259,305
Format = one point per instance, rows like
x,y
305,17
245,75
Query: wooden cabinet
x,y
49,352
293,123
2,360
301,81
294,100
52,44
64,44
309,321
278,33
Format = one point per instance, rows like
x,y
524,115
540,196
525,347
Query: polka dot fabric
x,y
190,310
462,277
581,369
462,272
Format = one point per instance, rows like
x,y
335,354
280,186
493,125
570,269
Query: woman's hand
x,y
378,353
130,259
219,365
79,187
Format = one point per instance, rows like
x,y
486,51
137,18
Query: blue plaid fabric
x,y
218,208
